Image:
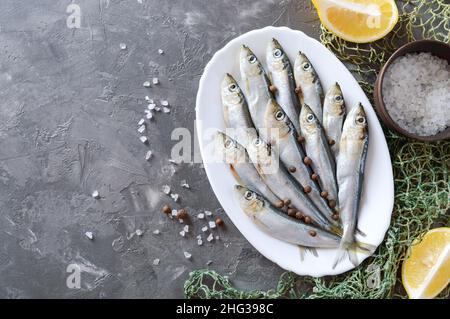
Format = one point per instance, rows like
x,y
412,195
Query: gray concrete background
x,y
70,101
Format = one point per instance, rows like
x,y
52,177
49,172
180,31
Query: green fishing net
x,y
420,175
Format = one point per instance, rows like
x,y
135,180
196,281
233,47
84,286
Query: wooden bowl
x,y
439,49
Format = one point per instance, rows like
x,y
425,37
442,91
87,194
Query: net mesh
x,y
420,176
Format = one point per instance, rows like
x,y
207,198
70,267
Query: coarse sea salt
x,y
416,93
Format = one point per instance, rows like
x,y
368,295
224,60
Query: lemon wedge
x,y
359,21
426,271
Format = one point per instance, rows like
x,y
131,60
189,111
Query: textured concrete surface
x,y
70,100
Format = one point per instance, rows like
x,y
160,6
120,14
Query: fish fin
x,y
312,250
342,252
360,232
364,247
301,250
351,249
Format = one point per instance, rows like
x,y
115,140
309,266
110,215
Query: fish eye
x,y
338,98
306,66
257,142
228,143
232,87
248,195
310,118
252,59
277,53
279,116
361,120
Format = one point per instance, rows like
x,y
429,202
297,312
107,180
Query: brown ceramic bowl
x,y
439,49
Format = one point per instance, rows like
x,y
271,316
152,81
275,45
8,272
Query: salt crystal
x,y
208,213
143,139
147,98
201,216
96,194
164,103
174,212
172,161
166,110
156,262
141,122
187,255
175,197
181,221
217,237
139,232
212,225
160,51
205,228
156,232
199,236
148,155
182,233
123,46
155,81
89,235
166,190
210,238
149,115
146,84
184,184
151,106
157,109
141,129
209,262
199,242
186,228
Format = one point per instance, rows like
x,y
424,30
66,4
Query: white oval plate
x,y
378,193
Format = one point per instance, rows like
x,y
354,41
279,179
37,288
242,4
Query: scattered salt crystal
x,y
166,190
139,232
208,213
146,84
201,216
143,139
157,109
210,238
205,228
149,115
151,106
147,98
148,155
164,103
141,122
187,255
199,242
89,235
96,194
123,46
182,233
416,92
141,129
160,51
199,236
172,161
209,262
184,184
156,232
175,197
166,110
217,237
212,225
174,212
156,262
186,228
181,221
155,81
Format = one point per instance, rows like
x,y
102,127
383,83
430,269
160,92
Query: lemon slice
x,y
426,271
359,21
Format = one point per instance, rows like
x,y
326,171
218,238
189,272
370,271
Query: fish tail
x,y
351,249
360,232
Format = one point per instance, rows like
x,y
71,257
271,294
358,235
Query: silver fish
x,y
350,173
333,116
283,135
279,225
308,84
256,85
277,178
317,148
235,155
282,77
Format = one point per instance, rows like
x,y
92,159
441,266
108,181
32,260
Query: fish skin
x,y
235,155
333,116
281,75
266,160
317,148
350,174
256,85
235,110
283,135
307,80
280,225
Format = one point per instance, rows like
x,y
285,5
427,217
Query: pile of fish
x,y
297,156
